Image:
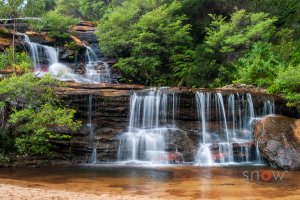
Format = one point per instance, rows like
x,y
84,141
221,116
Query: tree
x,y
149,39
11,8
259,66
287,12
226,41
24,8
58,25
288,83
85,9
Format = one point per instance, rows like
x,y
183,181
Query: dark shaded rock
x,y
278,139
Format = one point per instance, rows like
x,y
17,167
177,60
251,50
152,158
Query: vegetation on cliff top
x,y
195,43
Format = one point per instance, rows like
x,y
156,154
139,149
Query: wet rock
x,y
41,38
77,41
278,139
109,116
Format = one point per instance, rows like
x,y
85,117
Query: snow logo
x,y
264,175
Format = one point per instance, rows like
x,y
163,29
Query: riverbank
x,y
12,192
127,182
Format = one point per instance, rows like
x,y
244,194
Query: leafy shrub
x,y
149,40
37,114
22,60
57,24
288,83
259,66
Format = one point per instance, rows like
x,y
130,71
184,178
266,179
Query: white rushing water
x,y
41,53
152,115
46,60
96,70
90,127
228,140
94,156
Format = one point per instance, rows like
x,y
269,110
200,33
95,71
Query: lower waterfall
x,y
152,116
228,138
224,134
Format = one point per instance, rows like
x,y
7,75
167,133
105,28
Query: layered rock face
x,y
278,139
104,110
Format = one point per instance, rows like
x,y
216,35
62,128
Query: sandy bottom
x,y
12,192
175,183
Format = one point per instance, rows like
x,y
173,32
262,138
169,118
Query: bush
x,y
288,83
57,24
22,60
259,66
37,113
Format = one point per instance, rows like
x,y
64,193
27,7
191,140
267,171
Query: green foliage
x,y
149,40
24,8
72,46
34,8
240,32
22,60
57,24
6,141
85,9
287,11
226,41
11,9
288,83
3,158
37,114
27,92
259,66
41,125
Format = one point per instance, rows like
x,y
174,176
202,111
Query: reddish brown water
x,y
182,182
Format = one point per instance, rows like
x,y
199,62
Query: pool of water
x,y
162,182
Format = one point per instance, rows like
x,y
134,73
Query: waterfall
x,y
38,51
94,156
152,116
229,139
90,128
90,125
90,55
45,59
96,70
269,107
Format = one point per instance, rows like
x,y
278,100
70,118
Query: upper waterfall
x,y
95,69
42,56
46,59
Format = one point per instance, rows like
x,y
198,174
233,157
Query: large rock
x,y
278,139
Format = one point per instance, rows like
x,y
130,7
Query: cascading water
x,y
90,127
229,140
94,156
38,51
152,116
90,55
45,59
93,72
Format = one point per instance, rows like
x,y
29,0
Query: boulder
x,y
278,139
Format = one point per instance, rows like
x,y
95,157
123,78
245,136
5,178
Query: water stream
x,y
152,116
229,140
46,60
